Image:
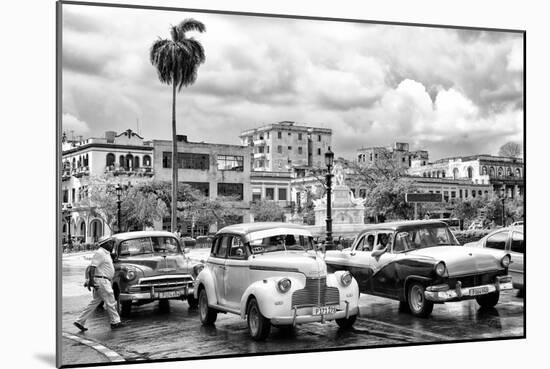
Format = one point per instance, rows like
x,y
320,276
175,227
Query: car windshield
x,y
149,245
165,244
423,237
281,242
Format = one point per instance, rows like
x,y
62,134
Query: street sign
x,y
423,197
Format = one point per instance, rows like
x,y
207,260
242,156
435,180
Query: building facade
x,y
278,147
505,175
397,156
213,169
125,156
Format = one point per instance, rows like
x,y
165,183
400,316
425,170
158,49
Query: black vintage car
x,y
421,263
151,266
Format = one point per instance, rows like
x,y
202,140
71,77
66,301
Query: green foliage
x,y
267,211
387,198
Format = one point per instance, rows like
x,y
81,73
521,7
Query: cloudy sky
x,y
452,92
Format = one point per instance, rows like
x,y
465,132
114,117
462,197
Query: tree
x,y
511,149
177,62
387,198
267,211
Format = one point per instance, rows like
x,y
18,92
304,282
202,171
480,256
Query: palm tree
x,y
177,62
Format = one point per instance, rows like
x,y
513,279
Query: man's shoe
x,y
80,326
117,325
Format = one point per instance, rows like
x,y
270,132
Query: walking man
x,y
100,274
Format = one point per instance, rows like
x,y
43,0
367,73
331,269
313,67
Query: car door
x,y
517,251
236,271
384,280
216,263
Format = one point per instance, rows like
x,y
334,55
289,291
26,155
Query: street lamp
x,y
503,198
118,191
68,215
329,161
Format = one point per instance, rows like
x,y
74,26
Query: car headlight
x,y
505,261
440,269
197,269
130,274
346,279
284,285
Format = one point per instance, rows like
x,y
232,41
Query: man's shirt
x,y
103,263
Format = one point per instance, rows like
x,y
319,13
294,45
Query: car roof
x,y
138,234
404,225
245,228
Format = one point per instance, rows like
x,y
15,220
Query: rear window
x,y
497,241
518,245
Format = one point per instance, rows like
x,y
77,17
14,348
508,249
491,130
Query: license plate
x,y
479,291
167,294
324,310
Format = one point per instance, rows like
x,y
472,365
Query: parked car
x,y
271,274
188,241
509,239
151,266
420,263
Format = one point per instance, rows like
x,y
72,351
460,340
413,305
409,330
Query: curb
x,y
110,354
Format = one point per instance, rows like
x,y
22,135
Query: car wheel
x,y
192,302
346,323
489,300
164,305
123,308
207,314
258,325
418,305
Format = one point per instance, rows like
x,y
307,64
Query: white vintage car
x,y
271,274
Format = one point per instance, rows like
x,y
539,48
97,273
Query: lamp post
x,y
329,161
118,191
503,198
68,215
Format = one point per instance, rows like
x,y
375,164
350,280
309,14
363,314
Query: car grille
x,y
316,293
160,284
475,279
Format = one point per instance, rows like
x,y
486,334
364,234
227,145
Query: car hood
x,y
308,263
462,260
158,264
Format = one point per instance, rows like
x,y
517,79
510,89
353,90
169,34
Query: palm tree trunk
x,y
174,162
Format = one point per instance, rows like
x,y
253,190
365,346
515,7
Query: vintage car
x,y
151,266
509,239
421,263
271,274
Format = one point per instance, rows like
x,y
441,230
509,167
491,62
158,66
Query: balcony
x,y
80,171
65,174
260,155
260,142
119,171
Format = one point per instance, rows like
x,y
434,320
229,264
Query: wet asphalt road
x,y
152,334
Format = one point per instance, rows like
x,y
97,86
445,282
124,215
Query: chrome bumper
x,y
299,319
458,293
135,296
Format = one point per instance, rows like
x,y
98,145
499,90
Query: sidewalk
x,y
77,353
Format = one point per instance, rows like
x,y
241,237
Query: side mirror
x,y
377,253
186,250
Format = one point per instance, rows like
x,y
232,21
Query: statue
x,y
338,172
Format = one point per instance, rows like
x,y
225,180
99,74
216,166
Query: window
x,y
300,150
65,195
299,136
517,243
279,135
231,162
202,187
110,160
267,149
256,197
518,172
73,195
453,194
221,246
269,193
136,161
473,193
290,148
165,244
362,193
289,134
267,135
500,172
282,193
187,160
280,149
484,171
319,151
231,189
260,149
237,249
146,161
136,246
497,241
319,138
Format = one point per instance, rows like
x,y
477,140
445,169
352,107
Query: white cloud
x,y
72,123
